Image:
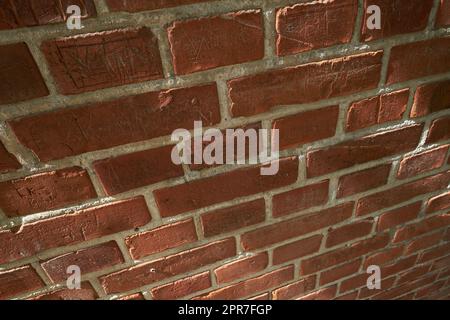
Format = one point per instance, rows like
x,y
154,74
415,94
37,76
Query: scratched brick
x,y
20,78
102,60
141,5
30,13
69,132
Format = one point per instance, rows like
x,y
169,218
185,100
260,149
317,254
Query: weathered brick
x,y
207,43
418,59
296,227
439,130
141,5
19,280
201,193
422,227
20,78
398,216
86,292
305,83
322,294
307,127
169,266
45,191
300,199
251,286
233,218
294,289
335,257
363,180
349,232
377,110
422,162
383,257
89,260
314,24
443,15
162,238
296,249
101,60
136,170
424,242
360,150
183,287
431,98
397,17
29,13
340,272
69,132
63,230
241,268
440,202
135,296
8,161
401,193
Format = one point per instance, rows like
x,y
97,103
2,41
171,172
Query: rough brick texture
x,y
88,177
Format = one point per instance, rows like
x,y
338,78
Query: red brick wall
x,y
87,179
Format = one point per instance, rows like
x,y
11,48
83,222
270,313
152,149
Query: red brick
x,y
135,296
443,15
431,98
398,266
422,227
20,78
348,296
377,110
251,286
322,294
361,150
63,230
296,249
45,191
399,216
169,266
419,59
401,193
397,17
305,83
295,289
233,218
440,202
307,127
386,284
183,287
296,227
335,257
162,238
29,13
349,232
201,193
89,260
424,242
264,296
340,272
136,170
18,281
437,252
383,257
300,199
241,268
431,289
69,132
363,180
422,162
315,24
141,5
398,291
86,292
207,43
101,60
8,161
439,130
